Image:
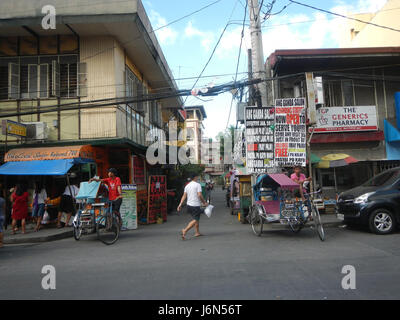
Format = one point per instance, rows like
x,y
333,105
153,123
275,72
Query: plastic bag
x,y
208,210
46,218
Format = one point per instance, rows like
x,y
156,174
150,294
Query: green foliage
x,y
187,170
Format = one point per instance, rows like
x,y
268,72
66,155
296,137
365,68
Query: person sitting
x,y
299,178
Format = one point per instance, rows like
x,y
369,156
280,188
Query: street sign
x,y
12,128
290,132
259,139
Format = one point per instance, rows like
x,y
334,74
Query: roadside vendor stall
x,y
49,163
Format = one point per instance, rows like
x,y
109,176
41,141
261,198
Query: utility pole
x,y
250,72
257,49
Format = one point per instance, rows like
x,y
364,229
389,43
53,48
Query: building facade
x,y
195,127
360,81
354,34
93,80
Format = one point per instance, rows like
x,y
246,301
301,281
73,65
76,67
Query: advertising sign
x,y
290,132
53,153
157,203
342,119
259,139
138,170
12,128
128,207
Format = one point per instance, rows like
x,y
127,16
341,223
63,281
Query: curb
x,y
54,237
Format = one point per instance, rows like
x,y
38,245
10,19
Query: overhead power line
x,y
238,61
343,16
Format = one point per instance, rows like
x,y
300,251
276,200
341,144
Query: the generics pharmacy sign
x,y
342,119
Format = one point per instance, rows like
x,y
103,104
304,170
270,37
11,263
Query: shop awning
x,y
40,167
343,137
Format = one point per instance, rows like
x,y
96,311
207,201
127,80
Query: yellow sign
x,y
13,128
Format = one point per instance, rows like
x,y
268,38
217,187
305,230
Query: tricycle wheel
x,y
295,227
257,222
108,230
77,233
317,222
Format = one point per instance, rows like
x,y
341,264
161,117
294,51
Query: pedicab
x,y
241,203
275,201
95,214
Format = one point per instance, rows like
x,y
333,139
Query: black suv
x,y
376,203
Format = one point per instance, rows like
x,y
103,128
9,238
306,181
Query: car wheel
x,y
382,221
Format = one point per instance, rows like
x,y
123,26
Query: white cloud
x,y
167,35
206,37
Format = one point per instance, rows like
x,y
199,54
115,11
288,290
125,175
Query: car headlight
x,y
363,198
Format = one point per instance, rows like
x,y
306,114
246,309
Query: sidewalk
x,y
46,234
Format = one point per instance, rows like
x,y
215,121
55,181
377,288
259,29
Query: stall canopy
x,y
40,167
45,161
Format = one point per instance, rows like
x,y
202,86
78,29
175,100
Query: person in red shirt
x,y
114,188
19,199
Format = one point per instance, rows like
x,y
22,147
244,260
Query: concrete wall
x,y
10,9
372,36
96,52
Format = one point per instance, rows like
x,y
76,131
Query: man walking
x,y
194,198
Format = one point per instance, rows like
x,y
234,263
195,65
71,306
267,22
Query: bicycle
x,y
96,217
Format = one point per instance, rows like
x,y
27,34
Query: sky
x,y
188,44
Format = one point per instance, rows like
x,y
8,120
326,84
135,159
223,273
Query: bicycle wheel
x,y
317,222
295,227
257,222
77,233
108,229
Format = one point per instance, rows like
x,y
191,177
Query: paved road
x,y
228,263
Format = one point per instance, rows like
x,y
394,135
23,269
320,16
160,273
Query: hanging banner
x,y
157,203
128,207
259,139
290,132
345,119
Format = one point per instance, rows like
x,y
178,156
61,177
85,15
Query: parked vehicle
x,y
376,203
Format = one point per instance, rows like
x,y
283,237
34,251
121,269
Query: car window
x,y
384,179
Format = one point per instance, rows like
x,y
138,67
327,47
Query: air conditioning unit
x,y
37,130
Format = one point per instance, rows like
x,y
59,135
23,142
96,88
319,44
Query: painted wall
x,y
369,35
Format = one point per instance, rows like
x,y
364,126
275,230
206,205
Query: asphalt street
x,y
228,262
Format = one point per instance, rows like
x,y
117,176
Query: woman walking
x,y
19,200
38,205
2,216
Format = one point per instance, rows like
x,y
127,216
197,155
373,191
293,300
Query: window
x,y
42,77
133,88
68,80
3,82
348,93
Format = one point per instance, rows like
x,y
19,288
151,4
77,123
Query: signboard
x,y
56,153
290,132
12,128
128,207
342,119
259,139
138,170
157,203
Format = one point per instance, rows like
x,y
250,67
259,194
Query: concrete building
x,y
195,127
91,72
363,80
355,34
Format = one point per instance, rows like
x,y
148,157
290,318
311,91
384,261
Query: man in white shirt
x,y
194,200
